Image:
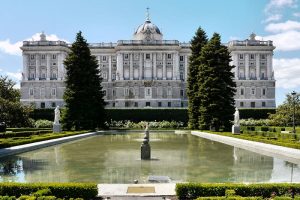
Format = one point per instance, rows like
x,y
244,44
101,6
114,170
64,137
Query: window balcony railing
x,y
52,78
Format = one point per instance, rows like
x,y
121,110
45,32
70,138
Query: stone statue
x,y
237,117
56,115
236,125
145,147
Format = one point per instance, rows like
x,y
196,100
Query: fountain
x,y
145,147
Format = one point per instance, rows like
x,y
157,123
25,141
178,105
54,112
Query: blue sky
x,y
112,20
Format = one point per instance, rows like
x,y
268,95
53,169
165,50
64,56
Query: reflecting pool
x,y
115,158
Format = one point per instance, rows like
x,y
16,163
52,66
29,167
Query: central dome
x,y
147,31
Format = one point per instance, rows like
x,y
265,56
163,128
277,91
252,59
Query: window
x,y
242,91
104,92
136,104
114,105
264,91
252,56
43,105
169,104
53,92
182,104
159,104
104,58
169,91
54,56
126,104
43,75
252,104
262,75
31,91
104,75
43,57
147,56
32,75
126,93
148,104
32,57
241,104
181,58
253,91
54,63
113,77
263,104
169,56
181,93
263,56
53,104
148,91
241,56
53,76
126,56
114,93
181,76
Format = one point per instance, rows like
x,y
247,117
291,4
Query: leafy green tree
x,y
198,41
284,112
216,86
12,112
83,95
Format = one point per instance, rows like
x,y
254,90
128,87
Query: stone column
x,y
59,67
131,67
141,67
25,67
269,66
257,67
174,71
154,66
164,66
37,67
185,67
236,68
48,66
119,67
247,66
109,68
177,71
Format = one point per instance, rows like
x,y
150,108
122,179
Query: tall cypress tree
x,y
216,86
83,94
198,41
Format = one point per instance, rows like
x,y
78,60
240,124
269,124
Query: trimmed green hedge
x,y
187,191
24,133
256,113
60,190
147,114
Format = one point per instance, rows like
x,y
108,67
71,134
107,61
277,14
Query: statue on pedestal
x,y
236,125
56,124
145,147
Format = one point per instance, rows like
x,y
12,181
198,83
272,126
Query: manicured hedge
x,y
24,133
60,190
25,129
187,191
256,113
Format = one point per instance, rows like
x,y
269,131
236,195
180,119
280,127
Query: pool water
x,y
115,158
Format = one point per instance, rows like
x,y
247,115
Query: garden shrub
x,y
42,123
187,191
264,128
24,133
59,190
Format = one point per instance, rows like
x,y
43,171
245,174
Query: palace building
x,y
146,71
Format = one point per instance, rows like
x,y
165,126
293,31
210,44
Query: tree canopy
x,y
12,112
83,95
212,89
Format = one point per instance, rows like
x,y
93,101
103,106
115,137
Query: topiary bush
x,y
42,123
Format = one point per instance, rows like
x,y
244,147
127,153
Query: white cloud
x,y
282,27
272,18
14,48
10,48
280,4
297,14
287,72
286,41
15,75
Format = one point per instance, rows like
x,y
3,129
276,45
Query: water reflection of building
x,y
251,167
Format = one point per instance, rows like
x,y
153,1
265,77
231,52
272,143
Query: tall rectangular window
x,y
147,56
241,104
252,104
169,104
53,92
242,91
169,56
159,104
181,58
263,104
181,93
31,91
264,91
241,56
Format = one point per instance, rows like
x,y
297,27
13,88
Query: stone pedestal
x,y
235,130
145,152
56,128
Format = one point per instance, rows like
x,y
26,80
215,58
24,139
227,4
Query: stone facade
x,y
144,72
254,73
